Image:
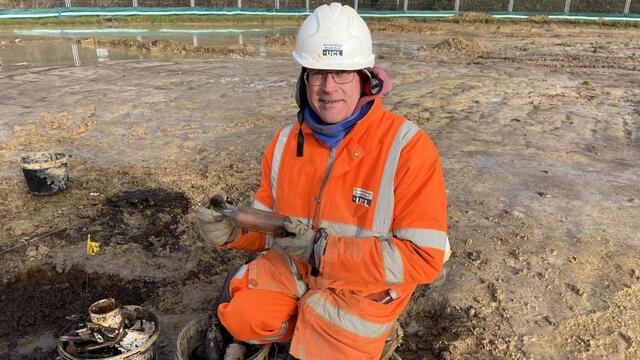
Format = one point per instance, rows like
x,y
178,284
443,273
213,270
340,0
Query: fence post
x,y
135,3
627,5
193,3
510,9
405,6
355,4
239,3
567,6
67,3
456,7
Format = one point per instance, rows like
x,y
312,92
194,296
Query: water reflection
x,y
76,33
75,53
37,50
102,54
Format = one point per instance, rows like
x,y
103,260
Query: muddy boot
x,y
217,337
214,345
224,296
235,351
280,351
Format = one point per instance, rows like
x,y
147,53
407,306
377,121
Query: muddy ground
x,y
538,126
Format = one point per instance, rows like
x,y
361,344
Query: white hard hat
x,y
334,37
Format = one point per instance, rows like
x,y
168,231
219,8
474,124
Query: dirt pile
x,y
405,26
590,61
433,327
458,45
171,47
281,41
540,19
472,17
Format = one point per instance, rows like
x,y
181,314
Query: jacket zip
x,y
318,199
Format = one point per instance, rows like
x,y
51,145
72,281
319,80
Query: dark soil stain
x,y
149,217
41,299
440,325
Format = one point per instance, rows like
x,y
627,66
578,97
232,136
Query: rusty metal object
x,y
248,218
106,313
134,337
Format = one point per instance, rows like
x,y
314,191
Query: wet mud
x,y
40,299
170,47
281,41
432,326
456,45
148,217
538,129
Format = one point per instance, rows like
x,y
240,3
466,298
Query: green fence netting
x,y
367,8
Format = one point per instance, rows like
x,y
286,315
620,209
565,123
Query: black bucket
x,y
45,172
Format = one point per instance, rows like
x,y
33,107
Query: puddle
x,y
62,47
31,48
43,342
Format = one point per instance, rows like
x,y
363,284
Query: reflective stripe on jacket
x,y
380,195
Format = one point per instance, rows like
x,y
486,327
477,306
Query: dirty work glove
x,y
300,244
214,227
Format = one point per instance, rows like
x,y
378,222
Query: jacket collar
x,y
350,151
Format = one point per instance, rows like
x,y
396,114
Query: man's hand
x,y
214,227
300,244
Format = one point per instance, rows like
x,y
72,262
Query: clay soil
x,y
538,127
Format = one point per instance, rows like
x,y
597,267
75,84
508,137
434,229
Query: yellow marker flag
x,y
92,247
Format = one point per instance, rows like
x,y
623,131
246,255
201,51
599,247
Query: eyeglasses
x,y
317,77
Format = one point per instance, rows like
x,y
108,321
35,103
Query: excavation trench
x,y
38,301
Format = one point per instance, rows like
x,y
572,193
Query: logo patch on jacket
x,y
362,196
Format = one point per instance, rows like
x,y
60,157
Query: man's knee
x,y
248,321
238,320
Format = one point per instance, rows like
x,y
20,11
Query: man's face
x,y
333,95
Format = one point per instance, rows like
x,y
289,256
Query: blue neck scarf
x,y
331,134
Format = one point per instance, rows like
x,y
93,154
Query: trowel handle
x,y
248,218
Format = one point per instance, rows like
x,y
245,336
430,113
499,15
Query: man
x,y
364,193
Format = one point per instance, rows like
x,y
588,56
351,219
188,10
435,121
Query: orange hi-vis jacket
x,y
380,196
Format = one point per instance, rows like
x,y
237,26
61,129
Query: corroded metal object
x,y
248,218
110,332
105,312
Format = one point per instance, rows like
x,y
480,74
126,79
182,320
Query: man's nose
x,y
329,84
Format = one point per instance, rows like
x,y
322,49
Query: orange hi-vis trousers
x,y
276,306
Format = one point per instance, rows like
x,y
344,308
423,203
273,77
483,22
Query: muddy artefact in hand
x,y
248,218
